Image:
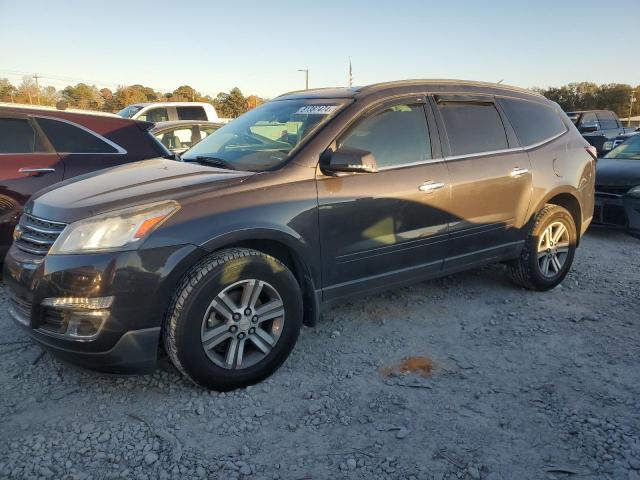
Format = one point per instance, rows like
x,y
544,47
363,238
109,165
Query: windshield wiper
x,y
212,161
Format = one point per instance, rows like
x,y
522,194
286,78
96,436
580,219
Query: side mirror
x,y
348,160
588,128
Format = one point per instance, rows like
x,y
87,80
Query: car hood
x,y
611,172
127,185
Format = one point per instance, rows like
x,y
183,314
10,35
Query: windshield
x,y
263,137
629,150
130,111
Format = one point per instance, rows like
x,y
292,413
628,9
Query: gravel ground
x,y
524,385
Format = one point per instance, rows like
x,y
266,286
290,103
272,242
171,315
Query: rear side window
x,y
68,138
396,136
532,122
473,127
17,136
155,115
191,113
607,120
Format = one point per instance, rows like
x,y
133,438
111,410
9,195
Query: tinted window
x,y
67,138
473,127
589,120
532,122
16,136
397,135
607,120
181,137
155,115
191,113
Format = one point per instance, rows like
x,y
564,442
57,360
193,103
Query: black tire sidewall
x,y
538,278
192,356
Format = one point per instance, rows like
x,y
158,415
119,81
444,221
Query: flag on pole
x,y
350,73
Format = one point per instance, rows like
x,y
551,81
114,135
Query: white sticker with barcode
x,y
316,109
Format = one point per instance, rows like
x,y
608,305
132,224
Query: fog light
x,y
76,318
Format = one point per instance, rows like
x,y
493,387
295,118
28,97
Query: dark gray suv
x,y
313,197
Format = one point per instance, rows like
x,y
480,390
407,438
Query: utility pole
x,y
306,77
36,77
350,74
632,99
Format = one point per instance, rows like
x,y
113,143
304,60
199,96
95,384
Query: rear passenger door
x,y
490,180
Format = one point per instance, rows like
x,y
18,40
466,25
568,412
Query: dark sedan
x,y
40,146
618,187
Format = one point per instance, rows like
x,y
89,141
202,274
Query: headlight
x,y
608,145
116,230
634,192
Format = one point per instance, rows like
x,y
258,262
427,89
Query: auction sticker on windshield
x,y
317,109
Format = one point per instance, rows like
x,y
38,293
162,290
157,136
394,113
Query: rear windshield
x,y
263,137
629,150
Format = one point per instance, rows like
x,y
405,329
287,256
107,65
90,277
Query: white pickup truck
x,y
171,111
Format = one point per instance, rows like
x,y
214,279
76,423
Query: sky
x,y
259,46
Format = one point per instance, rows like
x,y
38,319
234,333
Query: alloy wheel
x,y
242,324
553,249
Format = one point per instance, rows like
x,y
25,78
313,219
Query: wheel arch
x,y
565,198
291,251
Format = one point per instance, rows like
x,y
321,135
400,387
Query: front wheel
x,y
234,320
548,252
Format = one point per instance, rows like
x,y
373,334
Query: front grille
x,y
614,215
36,235
21,309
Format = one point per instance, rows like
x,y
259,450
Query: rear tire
x,y
548,252
234,319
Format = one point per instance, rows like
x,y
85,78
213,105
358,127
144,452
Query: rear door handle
x,y
430,186
518,172
36,171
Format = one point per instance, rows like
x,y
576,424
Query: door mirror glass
x,y
348,160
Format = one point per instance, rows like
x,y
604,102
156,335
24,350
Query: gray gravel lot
x,y
524,386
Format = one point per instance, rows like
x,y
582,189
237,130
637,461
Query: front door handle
x,y
36,171
430,186
518,172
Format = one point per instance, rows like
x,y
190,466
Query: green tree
x,y
83,96
230,105
7,90
134,94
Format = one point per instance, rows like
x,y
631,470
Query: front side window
x,y
191,113
589,119
68,138
263,137
154,115
629,150
473,127
17,136
532,122
397,135
607,120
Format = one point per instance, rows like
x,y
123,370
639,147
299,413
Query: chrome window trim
x,y
546,140
411,164
119,149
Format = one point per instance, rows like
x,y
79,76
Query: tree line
x,y
591,96
574,96
88,97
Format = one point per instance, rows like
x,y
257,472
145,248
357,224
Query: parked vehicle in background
x,y
180,136
611,144
598,127
170,111
618,187
39,147
313,197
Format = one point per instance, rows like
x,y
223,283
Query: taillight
x,y
593,151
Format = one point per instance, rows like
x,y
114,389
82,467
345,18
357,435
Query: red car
x,y
39,147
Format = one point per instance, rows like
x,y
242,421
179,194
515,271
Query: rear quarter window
x,y
473,127
68,138
532,122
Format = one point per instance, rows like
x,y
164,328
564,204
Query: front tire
x,y
548,252
234,319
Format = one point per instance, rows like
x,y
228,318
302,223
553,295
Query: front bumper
x,y
617,211
142,283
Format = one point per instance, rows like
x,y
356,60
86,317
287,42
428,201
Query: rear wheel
x,y
548,252
234,320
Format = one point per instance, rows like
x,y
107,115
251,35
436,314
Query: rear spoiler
x,y
144,126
